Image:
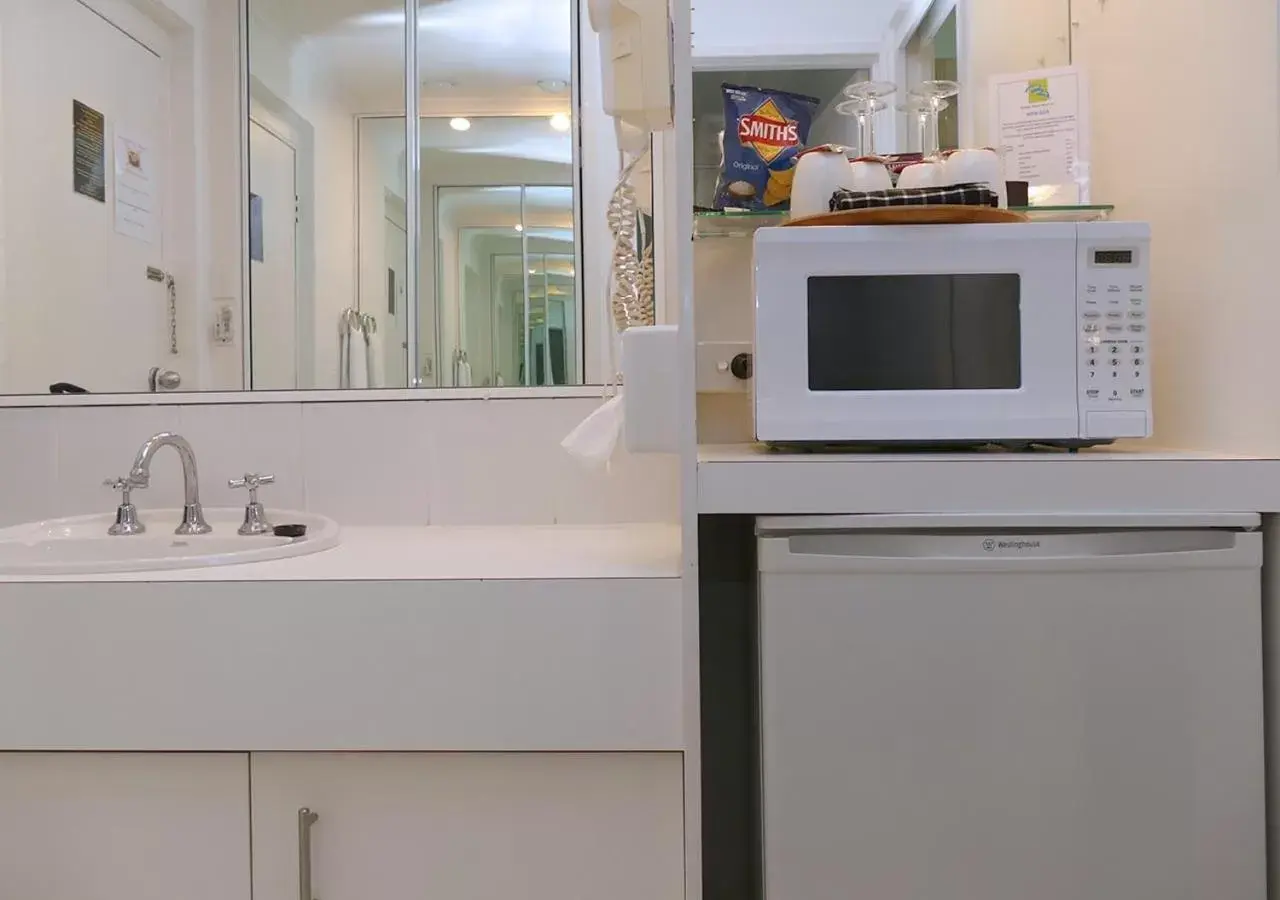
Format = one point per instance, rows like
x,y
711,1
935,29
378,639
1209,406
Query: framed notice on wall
x,y
89,151
1040,122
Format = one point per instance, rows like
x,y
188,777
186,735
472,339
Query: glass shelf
x,y
713,224
1080,213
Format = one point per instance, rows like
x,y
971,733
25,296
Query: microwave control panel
x,y
1113,317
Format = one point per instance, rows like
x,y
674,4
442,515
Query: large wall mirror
x,y
227,195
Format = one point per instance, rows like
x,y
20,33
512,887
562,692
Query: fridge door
x,y
1070,721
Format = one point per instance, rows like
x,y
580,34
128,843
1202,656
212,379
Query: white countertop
x,y
750,479
474,553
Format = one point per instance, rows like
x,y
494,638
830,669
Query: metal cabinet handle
x,y
306,818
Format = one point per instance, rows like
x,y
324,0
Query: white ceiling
x,y
522,137
467,49
548,211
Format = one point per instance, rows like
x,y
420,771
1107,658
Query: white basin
x,y
81,545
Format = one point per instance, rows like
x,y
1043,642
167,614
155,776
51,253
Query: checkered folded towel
x,y
956,195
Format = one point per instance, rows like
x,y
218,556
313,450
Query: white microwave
x,y
1014,334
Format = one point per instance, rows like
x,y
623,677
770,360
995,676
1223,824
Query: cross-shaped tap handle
x,y
123,485
252,482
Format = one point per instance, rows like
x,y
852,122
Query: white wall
x,y
731,29
1159,130
1003,36
1185,135
441,462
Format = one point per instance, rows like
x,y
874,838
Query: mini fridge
x,y
1004,708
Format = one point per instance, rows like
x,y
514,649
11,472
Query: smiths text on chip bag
x,y
764,133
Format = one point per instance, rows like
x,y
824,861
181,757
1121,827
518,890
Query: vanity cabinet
x,y
452,826
459,826
131,826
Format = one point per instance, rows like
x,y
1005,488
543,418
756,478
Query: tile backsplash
x,y
438,462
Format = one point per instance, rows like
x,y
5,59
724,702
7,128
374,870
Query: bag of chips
x,y
764,133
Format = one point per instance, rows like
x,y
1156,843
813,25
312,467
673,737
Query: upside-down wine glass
x,y
866,98
920,108
936,92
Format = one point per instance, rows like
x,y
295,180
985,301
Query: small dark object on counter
x,y
1019,193
290,531
66,387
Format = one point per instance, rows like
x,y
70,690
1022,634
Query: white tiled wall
x,y
442,462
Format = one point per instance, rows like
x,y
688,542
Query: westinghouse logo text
x,y
991,545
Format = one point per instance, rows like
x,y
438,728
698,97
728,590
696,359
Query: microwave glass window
x,y
915,332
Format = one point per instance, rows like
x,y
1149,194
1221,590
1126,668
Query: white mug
x,y
820,172
870,174
921,175
978,167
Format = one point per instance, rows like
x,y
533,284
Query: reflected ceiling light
x,y
460,124
441,84
560,122
519,228
533,271
553,85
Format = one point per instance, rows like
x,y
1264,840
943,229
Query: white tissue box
x,y
651,389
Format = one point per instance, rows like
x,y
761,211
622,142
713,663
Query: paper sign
x,y
89,153
1040,121
136,186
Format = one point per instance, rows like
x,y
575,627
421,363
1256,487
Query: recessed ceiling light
x,y
560,122
553,85
460,124
519,228
533,271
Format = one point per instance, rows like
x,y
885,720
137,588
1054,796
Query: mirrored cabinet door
x,y
280,195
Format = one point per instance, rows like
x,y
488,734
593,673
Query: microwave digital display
x,y
1113,257
915,332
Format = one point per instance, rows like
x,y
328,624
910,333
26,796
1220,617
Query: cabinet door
x,y
560,826
141,826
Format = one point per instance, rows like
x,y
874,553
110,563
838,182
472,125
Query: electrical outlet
x,y
715,370
224,318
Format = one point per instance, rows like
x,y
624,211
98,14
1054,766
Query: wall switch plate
x,y
224,318
713,374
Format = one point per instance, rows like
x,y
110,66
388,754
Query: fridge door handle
x,y
975,551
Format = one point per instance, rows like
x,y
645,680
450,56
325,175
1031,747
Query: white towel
x,y
359,360
377,362
344,356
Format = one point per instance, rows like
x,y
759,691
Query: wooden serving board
x,y
912,215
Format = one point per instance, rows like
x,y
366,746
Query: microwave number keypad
x,y
1113,331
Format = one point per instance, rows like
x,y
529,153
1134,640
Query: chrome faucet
x,y
140,477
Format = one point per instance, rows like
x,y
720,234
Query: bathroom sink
x,y
81,545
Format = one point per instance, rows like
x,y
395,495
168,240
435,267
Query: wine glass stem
x,y
935,138
866,134
922,131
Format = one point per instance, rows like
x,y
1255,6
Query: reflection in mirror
x,y
505,185
507,266
216,195
318,315
109,163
